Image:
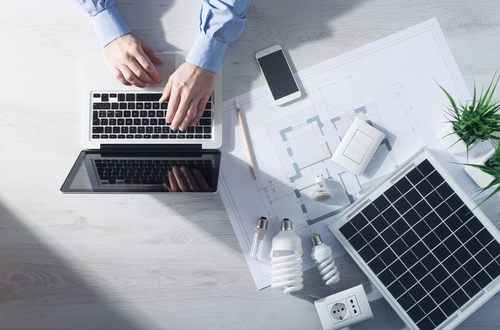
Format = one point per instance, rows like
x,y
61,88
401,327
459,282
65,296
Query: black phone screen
x,y
278,75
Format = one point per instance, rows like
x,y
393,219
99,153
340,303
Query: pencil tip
x,y
237,103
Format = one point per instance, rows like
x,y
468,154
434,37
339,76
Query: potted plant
x,y
469,124
485,171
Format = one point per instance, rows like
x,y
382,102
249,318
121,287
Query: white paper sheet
x,y
391,83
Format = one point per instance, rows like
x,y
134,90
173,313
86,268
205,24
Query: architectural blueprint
x,y
391,84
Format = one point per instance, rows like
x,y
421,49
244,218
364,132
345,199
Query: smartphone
x,y
278,75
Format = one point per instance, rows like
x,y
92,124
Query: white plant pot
x,y
448,137
482,179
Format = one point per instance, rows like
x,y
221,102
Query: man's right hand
x,y
130,60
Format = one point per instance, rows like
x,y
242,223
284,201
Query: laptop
x,y
128,146
422,242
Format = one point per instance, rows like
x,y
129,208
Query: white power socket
x,y
344,308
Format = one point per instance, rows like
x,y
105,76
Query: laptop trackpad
x,y
166,68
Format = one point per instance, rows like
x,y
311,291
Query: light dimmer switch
x,y
358,146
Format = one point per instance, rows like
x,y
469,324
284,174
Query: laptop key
x,y
205,122
99,106
97,130
151,97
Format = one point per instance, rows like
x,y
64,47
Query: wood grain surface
x,y
163,261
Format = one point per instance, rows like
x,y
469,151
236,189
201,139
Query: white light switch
x,y
358,146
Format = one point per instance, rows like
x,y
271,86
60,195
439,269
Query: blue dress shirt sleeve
x,y
221,22
105,18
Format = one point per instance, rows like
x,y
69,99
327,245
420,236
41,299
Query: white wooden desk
x,y
158,261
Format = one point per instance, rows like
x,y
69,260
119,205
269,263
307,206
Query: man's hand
x,y
181,179
188,90
130,60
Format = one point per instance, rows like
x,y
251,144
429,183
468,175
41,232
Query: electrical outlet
x,y
344,308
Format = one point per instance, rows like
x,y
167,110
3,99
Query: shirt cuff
x,y
109,25
207,52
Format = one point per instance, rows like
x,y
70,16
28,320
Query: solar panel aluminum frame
x,y
463,311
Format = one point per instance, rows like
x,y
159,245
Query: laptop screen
x,y
148,171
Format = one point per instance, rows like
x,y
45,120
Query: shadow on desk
x,y
292,23
40,289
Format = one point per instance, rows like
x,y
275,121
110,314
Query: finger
x,y
148,66
181,181
189,178
166,92
184,106
173,101
153,56
177,112
190,113
138,67
174,186
119,76
200,180
201,108
130,76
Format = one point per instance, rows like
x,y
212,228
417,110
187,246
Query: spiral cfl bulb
x,y
321,193
322,255
286,255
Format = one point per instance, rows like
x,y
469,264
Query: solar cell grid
x,y
425,245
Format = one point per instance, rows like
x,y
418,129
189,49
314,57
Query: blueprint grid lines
x,y
380,83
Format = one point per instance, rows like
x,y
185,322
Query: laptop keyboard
x,y
140,116
136,171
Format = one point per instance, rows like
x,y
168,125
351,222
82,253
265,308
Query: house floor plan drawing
x,y
382,84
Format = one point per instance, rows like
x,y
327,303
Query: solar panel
x,y
416,238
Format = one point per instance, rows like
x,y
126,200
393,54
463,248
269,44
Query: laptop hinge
x,y
151,147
